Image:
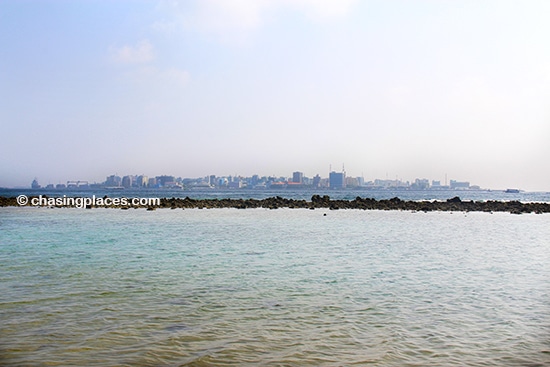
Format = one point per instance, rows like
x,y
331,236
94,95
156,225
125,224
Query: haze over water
x,y
271,287
396,90
390,89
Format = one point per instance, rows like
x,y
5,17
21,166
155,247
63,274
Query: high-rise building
x,y
142,181
298,177
164,180
317,181
35,184
351,182
459,184
113,181
337,180
421,184
127,181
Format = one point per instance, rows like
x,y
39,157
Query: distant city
x,y
336,180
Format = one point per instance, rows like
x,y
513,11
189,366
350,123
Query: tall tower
x,y
35,184
298,177
337,180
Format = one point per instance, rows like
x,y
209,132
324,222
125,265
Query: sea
x,y
282,287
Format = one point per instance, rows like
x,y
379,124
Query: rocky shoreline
x,y
325,202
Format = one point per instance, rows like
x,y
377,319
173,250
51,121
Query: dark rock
x,y
453,204
456,199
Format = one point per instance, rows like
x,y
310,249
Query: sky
x,y
390,89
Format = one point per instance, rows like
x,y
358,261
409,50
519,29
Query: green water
x,y
280,287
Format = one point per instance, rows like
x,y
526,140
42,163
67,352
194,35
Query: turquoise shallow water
x,y
222,287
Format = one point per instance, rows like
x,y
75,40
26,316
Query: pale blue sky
x,y
407,89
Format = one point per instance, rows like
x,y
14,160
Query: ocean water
x,y
283,287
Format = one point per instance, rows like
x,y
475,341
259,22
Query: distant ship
x,y
512,191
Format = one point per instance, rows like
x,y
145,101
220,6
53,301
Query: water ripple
x,y
273,288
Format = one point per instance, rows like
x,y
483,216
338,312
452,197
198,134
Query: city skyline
x,y
334,179
393,89
396,181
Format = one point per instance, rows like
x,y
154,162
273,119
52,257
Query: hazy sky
x,y
406,89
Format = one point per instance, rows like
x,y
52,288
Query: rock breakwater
x,y
325,202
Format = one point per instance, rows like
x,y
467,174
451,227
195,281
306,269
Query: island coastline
x,y
325,202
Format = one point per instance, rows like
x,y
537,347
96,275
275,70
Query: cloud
x,y
143,70
142,53
237,18
219,15
322,10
